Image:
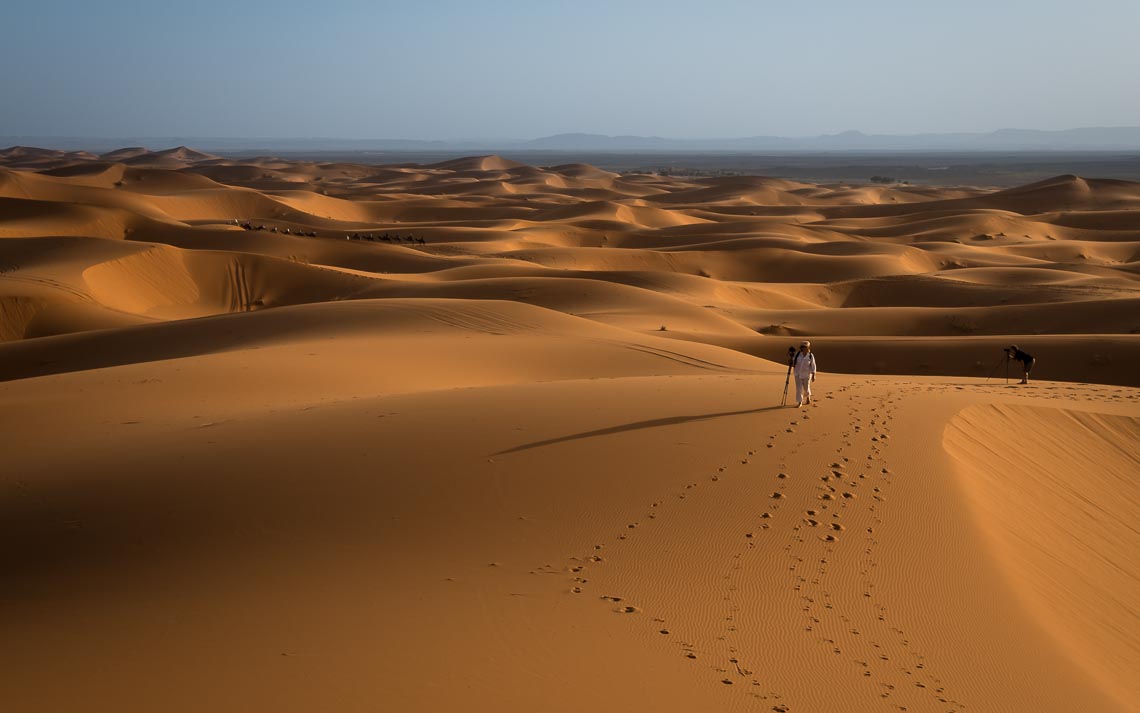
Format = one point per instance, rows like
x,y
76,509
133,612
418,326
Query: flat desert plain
x,y
482,436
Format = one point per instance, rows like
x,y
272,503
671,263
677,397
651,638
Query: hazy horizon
x,y
510,140
453,71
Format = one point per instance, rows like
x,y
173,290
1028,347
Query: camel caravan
x,y
385,238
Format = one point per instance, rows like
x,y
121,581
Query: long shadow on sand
x,y
637,425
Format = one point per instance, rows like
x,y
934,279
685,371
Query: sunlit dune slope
x,y
482,436
755,260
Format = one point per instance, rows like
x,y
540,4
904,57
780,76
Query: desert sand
x,y
494,437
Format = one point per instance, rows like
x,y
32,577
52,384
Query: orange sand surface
x,y
508,438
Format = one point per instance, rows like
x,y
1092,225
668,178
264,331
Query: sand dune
x,y
492,437
1061,572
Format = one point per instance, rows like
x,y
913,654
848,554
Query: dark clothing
x,y
1026,360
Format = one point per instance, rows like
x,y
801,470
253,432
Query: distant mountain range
x,y
1091,139
1125,138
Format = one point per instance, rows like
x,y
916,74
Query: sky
x,y
511,69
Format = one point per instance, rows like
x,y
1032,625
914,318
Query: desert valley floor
x,y
485,436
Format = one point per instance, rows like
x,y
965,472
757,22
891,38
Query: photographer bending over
x,y
1027,361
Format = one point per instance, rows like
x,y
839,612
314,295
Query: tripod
x,y
993,372
788,376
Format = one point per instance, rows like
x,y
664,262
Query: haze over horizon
x,y
503,69
591,357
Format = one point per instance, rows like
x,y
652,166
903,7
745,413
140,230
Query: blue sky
x,y
505,69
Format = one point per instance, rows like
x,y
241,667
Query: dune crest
x,y
482,436
1040,262
1025,466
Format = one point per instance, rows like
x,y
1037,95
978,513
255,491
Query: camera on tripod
x,y
788,377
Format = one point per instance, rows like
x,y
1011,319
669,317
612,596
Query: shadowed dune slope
x,y
389,493
732,256
480,436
